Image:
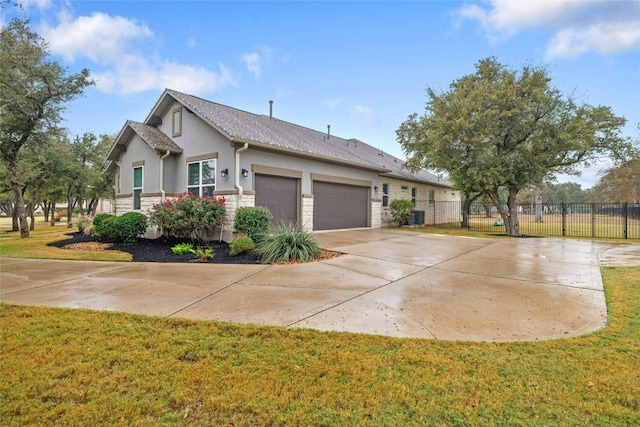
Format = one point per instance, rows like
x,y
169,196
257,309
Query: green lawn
x,y
35,246
80,367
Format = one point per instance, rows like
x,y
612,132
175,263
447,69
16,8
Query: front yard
x,y
80,367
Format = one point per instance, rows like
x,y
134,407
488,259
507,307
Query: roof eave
x,y
418,180
274,148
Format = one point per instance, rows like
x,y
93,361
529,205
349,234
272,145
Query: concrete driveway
x,y
389,282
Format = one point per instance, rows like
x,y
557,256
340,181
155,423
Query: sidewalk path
x,y
389,282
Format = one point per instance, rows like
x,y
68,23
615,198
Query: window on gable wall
x,y
137,187
432,196
414,194
385,195
176,122
201,179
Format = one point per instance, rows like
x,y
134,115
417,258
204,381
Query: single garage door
x,y
337,206
278,194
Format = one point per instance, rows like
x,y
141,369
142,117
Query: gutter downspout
x,y
237,172
117,186
162,181
162,175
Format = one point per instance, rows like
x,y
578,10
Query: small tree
x,y
401,210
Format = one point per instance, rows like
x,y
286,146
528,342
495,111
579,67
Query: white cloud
x,y
252,61
125,64
100,37
605,39
256,61
364,113
601,26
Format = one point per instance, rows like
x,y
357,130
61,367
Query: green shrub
x,y
182,248
253,221
189,217
127,227
202,254
287,242
241,245
401,210
103,226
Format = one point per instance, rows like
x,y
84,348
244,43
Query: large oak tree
x,y
33,91
504,129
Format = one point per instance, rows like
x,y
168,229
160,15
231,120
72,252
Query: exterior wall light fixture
x,y
245,173
224,172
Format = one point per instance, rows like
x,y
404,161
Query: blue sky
x,y
361,67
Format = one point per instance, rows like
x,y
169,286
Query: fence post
x,y
564,219
626,220
435,206
593,220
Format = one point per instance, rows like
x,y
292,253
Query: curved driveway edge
x,y
389,282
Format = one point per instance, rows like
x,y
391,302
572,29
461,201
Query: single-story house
x,y
319,180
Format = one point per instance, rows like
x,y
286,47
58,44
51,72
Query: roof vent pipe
x,y
328,131
270,109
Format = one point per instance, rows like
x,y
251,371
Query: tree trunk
x,y
46,206
70,205
538,204
513,226
53,214
92,207
20,210
508,213
14,220
466,207
32,215
31,206
487,209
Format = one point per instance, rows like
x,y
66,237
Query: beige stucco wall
x,y
434,212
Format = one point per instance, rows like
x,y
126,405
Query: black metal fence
x,y
604,220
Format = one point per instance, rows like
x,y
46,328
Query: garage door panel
x,y
279,195
337,206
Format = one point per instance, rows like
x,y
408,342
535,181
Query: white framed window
x,y
201,177
432,197
138,178
414,195
385,195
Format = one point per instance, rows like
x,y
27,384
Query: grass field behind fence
x,y
576,225
597,220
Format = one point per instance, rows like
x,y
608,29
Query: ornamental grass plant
x,y
287,242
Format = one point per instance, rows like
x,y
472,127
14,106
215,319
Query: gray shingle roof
x,y
276,133
154,137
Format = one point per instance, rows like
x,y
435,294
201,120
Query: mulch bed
x,y
156,250
159,250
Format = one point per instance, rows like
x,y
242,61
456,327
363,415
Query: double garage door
x,y
335,206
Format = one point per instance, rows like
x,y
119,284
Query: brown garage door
x,y
278,194
337,206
